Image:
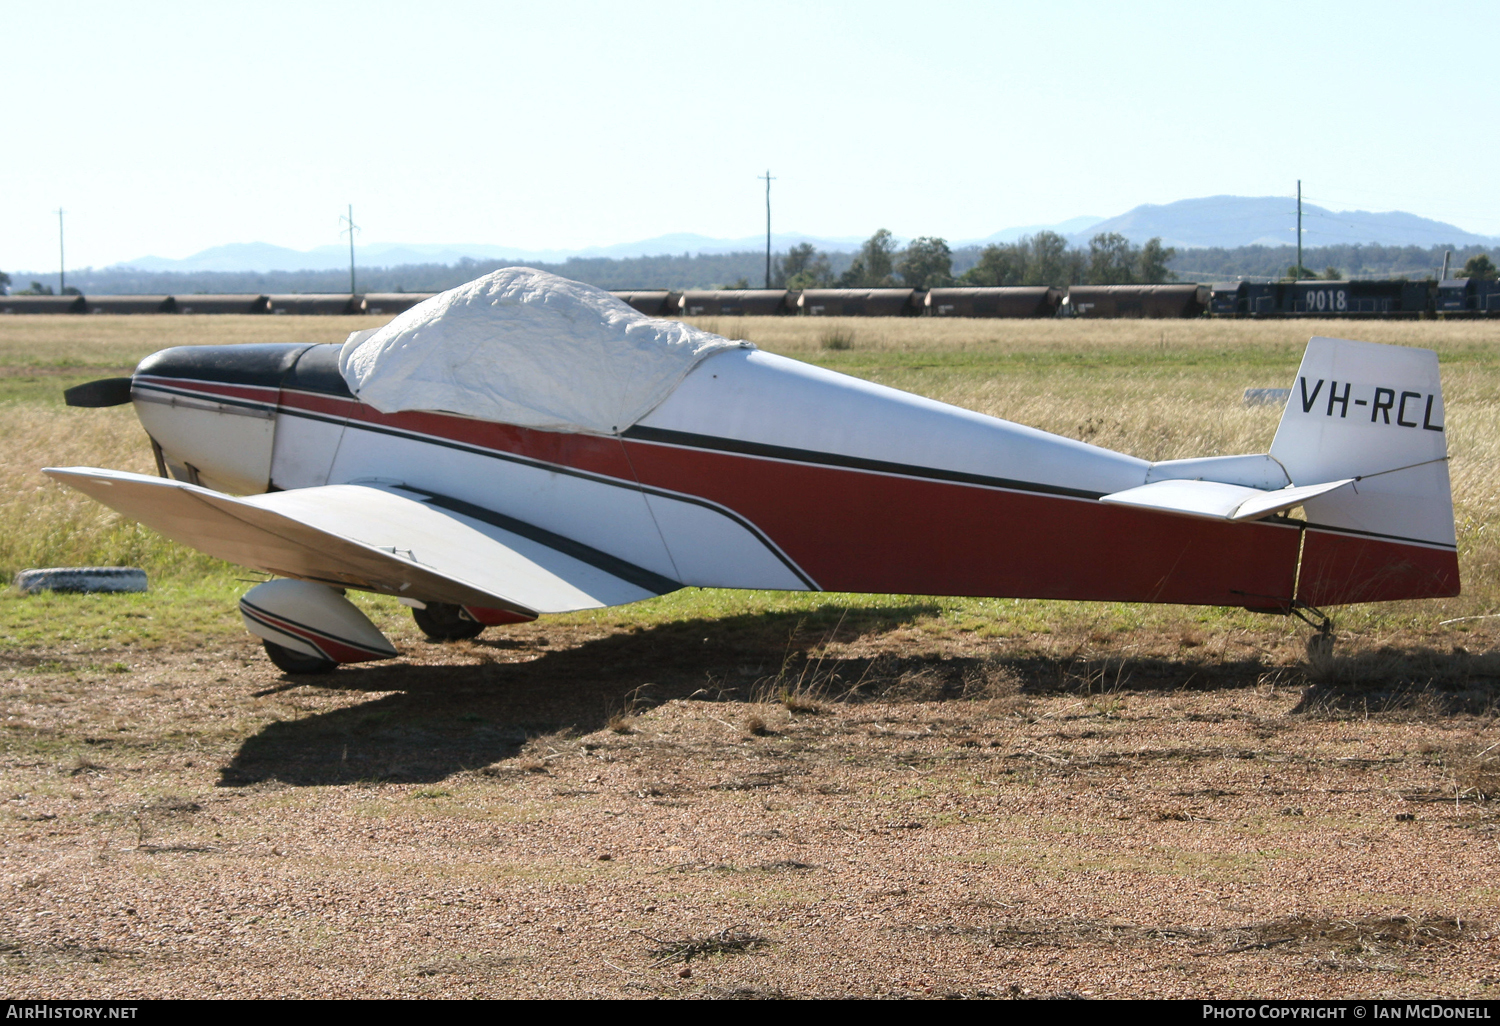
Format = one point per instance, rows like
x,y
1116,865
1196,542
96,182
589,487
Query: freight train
x,y
1462,297
233,303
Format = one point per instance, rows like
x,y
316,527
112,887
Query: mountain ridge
x,y
1229,222
1200,223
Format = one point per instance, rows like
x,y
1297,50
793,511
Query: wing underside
x,y
379,537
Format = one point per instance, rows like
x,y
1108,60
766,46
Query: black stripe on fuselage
x,y
739,447
646,580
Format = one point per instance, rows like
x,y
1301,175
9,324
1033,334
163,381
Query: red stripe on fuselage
x,y
875,532
594,454
333,406
213,389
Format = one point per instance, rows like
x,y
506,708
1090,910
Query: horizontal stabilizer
x,y
1257,471
379,538
1213,500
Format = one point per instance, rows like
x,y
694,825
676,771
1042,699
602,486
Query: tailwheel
x,y
288,661
1320,645
443,622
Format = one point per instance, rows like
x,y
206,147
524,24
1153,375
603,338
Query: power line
x,y
1354,221
768,180
350,230
1435,233
1396,199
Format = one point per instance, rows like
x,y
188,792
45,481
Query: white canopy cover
x,y
526,347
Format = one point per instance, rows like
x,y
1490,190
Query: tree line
x,y
927,262
1368,260
671,271
36,288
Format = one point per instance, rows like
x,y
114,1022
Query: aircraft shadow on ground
x,y
433,721
443,719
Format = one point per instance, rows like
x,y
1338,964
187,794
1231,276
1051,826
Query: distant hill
x,y
1073,226
1211,222
263,257
1229,222
702,270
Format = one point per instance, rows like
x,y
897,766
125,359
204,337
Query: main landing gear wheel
x,y
288,661
443,622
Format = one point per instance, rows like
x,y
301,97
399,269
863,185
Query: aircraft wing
x,y
379,537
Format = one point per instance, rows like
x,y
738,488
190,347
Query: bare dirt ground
x,y
703,809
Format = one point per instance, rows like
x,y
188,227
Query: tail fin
x,y
1373,413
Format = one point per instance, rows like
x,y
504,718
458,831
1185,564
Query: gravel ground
x,y
594,812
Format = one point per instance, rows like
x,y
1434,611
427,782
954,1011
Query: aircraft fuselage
x,y
762,472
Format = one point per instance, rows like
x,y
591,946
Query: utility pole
x,y
62,264
768,180
351,230
1299,231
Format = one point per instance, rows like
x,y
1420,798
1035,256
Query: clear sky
x,y
164,129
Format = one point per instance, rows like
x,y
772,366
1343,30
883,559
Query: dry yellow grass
x,y
44,525
1157,389
110,340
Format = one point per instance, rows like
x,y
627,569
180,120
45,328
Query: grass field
x,y
750,794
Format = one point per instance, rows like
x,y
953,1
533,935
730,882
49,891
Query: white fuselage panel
x,y
756,397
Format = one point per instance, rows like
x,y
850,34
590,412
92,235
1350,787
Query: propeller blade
x,y
105,392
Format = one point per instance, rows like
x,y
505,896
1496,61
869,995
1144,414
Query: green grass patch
x,y
177,613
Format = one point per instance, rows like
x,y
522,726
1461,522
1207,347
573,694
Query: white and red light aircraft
x,y
526,445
